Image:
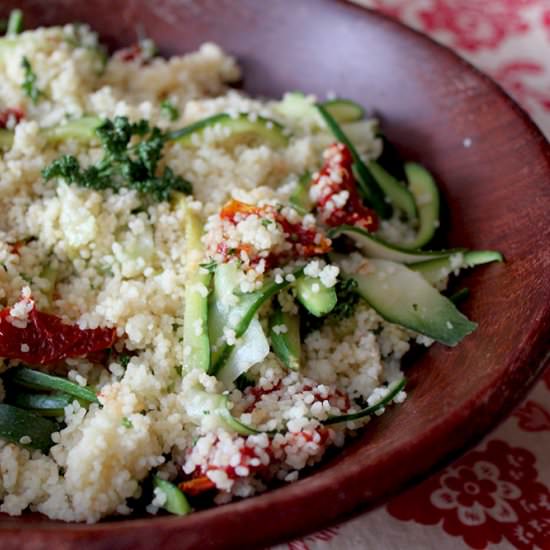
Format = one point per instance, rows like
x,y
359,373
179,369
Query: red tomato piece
x,y
42,338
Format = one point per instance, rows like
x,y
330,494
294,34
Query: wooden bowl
x,y
499,195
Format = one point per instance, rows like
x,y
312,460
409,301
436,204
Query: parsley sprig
x,y
125,163
30,86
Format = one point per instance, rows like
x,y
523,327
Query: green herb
x,y
29,85
124,360
126,422
179,369
26,277
209,266
266,222
134,166
15,22
348,298
169,110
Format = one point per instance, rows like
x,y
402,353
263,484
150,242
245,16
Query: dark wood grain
x,y
499,192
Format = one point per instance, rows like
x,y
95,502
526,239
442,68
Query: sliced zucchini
x,y
247,126
344,110
15,23
404,297
226,309
436,270
196,342
6,139
296,105
79,129
368,187
315,296
38,380
44,404
426,196
300,196
17,423
373,247
286,345
393,389
250,349
176,502
397,193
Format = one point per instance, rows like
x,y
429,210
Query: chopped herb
x,y
26,277
4,267
266,222
415,307
348,298
29,85
134,166
169,110
209,266
15,22
124,360
126,422
179,369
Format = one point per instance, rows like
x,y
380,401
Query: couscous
x,y
201,291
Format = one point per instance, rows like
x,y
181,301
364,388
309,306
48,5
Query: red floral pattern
x,y
514,77
485,497
533,417
475,25
325,535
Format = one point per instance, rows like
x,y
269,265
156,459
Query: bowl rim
x,y
530,363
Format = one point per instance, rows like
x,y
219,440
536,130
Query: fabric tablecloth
x,y
496,496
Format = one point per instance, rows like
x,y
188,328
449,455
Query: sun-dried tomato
x,y
42,338
15,114
197,486
335,190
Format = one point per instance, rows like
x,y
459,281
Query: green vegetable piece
x,y
38,380
244,311
286,345
6,139
393,389
176,502
30,86
374,247
344,110
299,198
459,295
438,269
347,299
169,110
404,297
44,404
368,186
81,129
398,194
426,196
253,127
15,22
17,423
295,105
196,342
314,296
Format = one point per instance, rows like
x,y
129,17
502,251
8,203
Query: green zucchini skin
x,y
44,404
393,390
38,380
176,502
300,196
344,110
286,345
404,297
318,302
259,127
16,423
397,193
426,195
375,247
436,270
